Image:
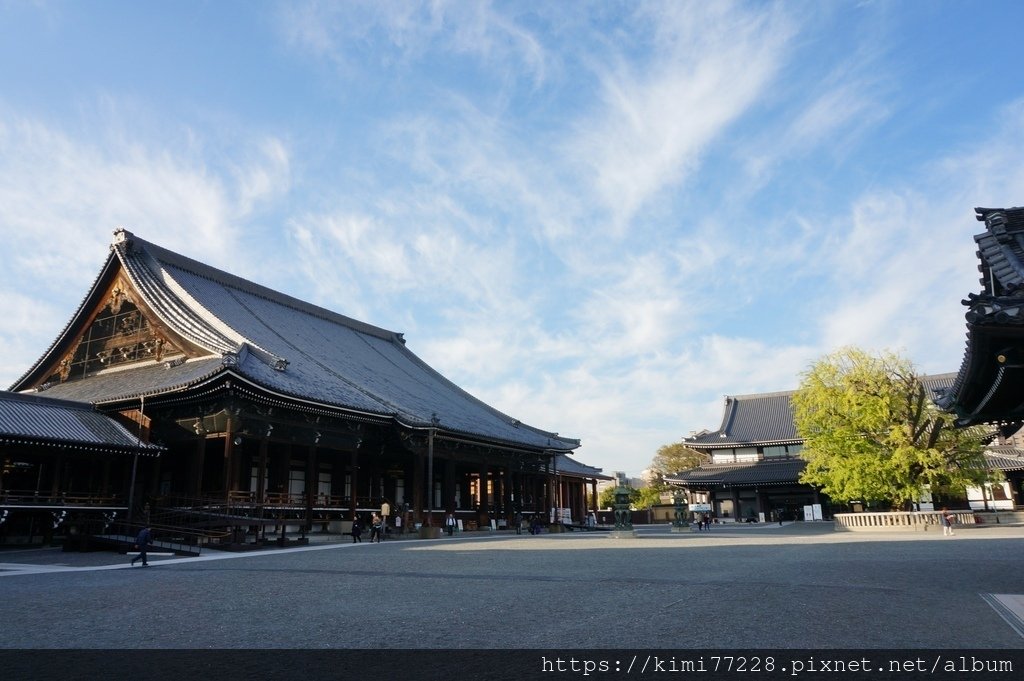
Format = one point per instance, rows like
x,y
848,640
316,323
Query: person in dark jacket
x,y
357,530
142,544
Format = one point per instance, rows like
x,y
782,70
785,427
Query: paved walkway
x,y
797,586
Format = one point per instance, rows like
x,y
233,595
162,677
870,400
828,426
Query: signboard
x,y
561,515
812,512
700,508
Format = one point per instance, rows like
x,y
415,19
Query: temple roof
x,y
768,472
566,465
986,388
37,420
1004,458
767,419
277,343
760,419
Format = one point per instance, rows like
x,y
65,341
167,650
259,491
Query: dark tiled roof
x,y
785,471
38,420
1004,458
566,465
1001,248
767,419
287,346
149,379
751,420
936,383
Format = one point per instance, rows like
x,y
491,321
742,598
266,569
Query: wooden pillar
x,y
284,468
417,487
354,498
499,492
429,521
154,476
198,463
551,493
229,446
104,477
58,474
510,490
484,512
312,484
448,489
579,495
261,471
465,480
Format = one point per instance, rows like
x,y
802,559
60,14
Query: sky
x,y
598,217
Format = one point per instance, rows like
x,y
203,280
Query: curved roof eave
x,y
225,371
731,444
560,445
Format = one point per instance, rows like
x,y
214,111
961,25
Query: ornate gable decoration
x,y
118,333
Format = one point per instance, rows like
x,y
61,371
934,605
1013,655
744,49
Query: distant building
x,y
755,464
754,470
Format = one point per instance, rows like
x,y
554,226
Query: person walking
x,y
357,530
450,524
947,522
375,528
385,511
142,542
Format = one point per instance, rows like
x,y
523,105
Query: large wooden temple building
x,y
233,396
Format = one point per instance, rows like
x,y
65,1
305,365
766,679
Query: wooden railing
x,y
898,521
182,539
32,497
287,499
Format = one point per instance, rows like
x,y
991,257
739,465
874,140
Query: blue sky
x,y
598,217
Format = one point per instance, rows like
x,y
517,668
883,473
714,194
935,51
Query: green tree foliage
x,y
647,497
606,499
871,433
671,459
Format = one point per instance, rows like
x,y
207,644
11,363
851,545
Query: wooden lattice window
x,y
120,334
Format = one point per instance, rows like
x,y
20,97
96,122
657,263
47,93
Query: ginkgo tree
x,y
671,459
871,432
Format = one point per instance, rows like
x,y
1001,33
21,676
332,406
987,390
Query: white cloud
x,y
403,32
907,247
63,192
710,65
599,219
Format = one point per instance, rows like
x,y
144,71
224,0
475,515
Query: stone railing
x,y
898,521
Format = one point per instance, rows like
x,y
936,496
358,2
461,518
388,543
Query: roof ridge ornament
x,y
122,236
